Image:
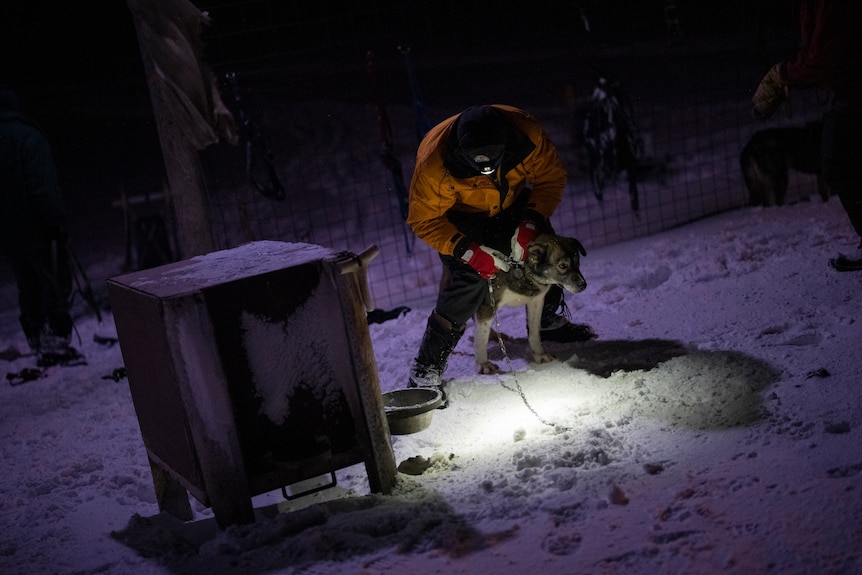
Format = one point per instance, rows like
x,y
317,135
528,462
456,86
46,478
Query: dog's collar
x,y
515,267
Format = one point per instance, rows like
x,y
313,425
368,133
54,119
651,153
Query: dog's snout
x,y
577,284
581,283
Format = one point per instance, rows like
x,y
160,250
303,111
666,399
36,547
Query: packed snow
x,y
714,426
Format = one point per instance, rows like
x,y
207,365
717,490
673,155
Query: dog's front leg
x,y
534,325
481,334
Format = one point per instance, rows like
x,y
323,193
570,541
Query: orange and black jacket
x,y
443,183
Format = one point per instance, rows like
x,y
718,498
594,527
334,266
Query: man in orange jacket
x,y
486,183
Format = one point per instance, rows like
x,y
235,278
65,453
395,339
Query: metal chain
x,y
518,389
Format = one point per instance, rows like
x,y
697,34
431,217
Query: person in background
x,y
485,184
33,232
829,58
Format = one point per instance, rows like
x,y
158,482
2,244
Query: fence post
x,y
188,199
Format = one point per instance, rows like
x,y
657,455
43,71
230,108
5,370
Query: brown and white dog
x,y
770,154
550,260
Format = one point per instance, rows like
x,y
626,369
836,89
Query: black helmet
x,y
481,136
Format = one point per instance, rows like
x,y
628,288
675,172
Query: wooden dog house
x,y
251,369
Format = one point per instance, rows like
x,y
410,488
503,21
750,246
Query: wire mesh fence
x,y
303,80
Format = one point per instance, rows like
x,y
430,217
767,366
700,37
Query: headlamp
x,y
485,160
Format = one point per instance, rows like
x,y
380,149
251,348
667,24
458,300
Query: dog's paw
x,y
487,368
543,358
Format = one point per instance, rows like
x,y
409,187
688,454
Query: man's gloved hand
x,y
525,234
486,261
770,94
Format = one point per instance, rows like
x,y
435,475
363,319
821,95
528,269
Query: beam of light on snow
x,y
509,419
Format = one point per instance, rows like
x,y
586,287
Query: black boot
x,y
439,340
557,327
33,332
848,263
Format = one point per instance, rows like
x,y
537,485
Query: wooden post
x,y
364,391
188,197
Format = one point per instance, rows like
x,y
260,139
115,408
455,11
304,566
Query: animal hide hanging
x,y
169,34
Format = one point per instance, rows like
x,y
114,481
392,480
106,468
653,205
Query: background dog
x,y
551,260
769,155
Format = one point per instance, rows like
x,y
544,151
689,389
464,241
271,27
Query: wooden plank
x,y
186,188
363,393
204,389
171,496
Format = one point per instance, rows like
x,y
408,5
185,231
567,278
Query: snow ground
x,y
714,426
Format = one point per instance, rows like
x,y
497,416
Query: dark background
x,y
78,72
49,45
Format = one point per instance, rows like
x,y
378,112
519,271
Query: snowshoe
x,y
23,376
11,353
381,315
845,264
67,357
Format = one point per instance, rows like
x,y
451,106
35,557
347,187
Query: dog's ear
x,y
537,252
574,245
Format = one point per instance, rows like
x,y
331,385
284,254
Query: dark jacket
x,y
830,50
31,204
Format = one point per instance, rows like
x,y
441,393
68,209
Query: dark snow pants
x,y
44,279
841,153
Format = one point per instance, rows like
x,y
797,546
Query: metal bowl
x,y
410,410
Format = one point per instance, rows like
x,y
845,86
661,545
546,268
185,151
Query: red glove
x,y
525,234
486,261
